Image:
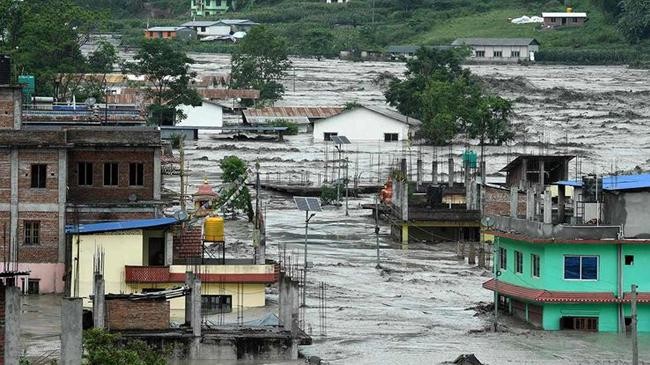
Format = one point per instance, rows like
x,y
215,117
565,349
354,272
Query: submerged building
x,y
569,263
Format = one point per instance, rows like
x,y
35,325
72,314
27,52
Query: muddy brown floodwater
x,y
414,309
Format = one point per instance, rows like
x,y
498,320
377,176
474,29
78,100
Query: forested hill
x,y
314,27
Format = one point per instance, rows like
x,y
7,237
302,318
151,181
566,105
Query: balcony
x,y
208,273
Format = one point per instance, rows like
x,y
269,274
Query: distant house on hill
x,y
336,1
366,123
500,49
553,20
208,7
183,33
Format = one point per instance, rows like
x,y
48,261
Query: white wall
x,y
217,30
360,124
206,115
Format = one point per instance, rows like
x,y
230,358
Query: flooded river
x,y
414,310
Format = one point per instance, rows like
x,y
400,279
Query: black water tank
x,y
5,70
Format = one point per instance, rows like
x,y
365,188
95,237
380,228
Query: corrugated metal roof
x,y
119,226
237,22
517,161
616,182
311,112
564,15
199,23
163,29
494,42
394,115
229,93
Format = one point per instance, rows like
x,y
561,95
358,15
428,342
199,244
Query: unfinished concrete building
x,y
50,176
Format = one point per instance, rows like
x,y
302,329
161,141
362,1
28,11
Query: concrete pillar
x,y
451,171
460,250
189,280
481,257
12,318
63,191
530,204
196,307
13,223
419,172
561,203
285,301
524,177
514,201
404,192
157,178
471,258
434,172
169,248
405,233
71,331
294,306
99,304
542,179
548,207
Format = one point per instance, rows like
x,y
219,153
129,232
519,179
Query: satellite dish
x,y
91,101
487,221
181,215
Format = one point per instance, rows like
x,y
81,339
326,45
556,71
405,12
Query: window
x,y
503,258
498,54
111,174
480,53
629,260
514,54
136,174
581,267
216,303
32,230
574,20
390,137
33,286
553,20
589,324
39,173
85,173
202,29
535,263
327,136
519,262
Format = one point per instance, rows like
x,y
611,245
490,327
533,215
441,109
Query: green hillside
x,y
317,28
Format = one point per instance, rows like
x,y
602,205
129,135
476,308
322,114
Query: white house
x,y
206,28
499,49
366,123
209,114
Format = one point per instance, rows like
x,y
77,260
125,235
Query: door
x,y
156,251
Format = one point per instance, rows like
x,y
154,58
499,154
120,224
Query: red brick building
x,y
53,176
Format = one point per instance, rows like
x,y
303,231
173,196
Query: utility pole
x,y
338,177
377,228
304,273
181,154
496,264
635,339
347,162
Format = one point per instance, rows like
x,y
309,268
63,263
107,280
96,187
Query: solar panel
x,y
307,204
339,140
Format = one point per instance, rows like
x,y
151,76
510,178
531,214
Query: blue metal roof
x,y
119,226
616,182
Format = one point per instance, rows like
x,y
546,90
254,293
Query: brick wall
x,y
107,216
124,314
188,244
117,194
7,96
497,202
5,175
2,324
48,248
27,194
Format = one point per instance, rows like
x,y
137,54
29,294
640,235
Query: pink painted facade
x,y
49,276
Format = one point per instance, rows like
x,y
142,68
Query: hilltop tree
x,y
634,21
260,62
233,174
168,70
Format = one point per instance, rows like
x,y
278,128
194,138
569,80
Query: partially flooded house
x,y
569,262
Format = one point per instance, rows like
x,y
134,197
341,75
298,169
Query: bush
x,y
292,128
588,56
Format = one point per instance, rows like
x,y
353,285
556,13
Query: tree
x,y
233,173
103,58
44,37
168,70
260,62
634,21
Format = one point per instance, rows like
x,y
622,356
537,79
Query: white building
x,y
366,123
209,114
206,28
500,49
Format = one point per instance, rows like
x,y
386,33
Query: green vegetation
x,y
292,128
260,62
167,69
233,174
104,348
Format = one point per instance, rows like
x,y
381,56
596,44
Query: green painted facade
x,y
208,7
551,278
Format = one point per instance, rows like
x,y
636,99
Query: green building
x,y
571,275
208,7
